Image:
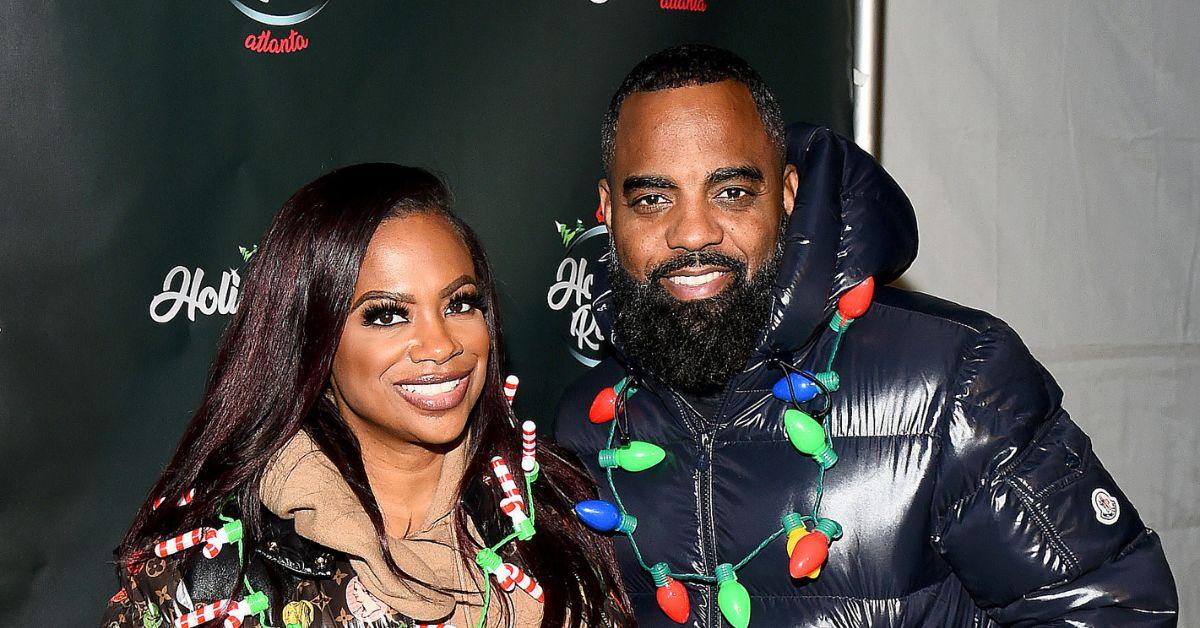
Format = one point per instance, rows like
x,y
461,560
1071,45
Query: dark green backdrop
x,y
141,136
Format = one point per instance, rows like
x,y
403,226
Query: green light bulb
x,y
732,597
636,456
808,436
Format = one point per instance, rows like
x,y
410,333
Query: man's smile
x,y
696,282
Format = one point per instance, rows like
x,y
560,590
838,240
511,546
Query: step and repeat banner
x,y
146,145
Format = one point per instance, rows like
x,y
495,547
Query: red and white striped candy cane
x,y
514,508
504,577
214,543
205,613
183,501
510,388
526,583
507,485
178,543
528,446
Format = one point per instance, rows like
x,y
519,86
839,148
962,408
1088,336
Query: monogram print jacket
x,y
305,584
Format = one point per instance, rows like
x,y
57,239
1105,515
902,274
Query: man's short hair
x,y
687,65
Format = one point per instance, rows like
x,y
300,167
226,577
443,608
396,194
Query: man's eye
x,y
732,194
649,199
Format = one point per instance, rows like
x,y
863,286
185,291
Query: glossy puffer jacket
x,y
967,495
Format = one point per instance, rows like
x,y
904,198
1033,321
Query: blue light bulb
x,y
603,516
803,388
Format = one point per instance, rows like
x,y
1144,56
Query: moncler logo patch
x,y
1107,508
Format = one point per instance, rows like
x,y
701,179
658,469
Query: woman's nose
x,y
434,343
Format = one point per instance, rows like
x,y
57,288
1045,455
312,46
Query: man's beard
x,y
693,346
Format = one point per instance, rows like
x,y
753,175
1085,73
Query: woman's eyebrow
x,y
399,297
463,280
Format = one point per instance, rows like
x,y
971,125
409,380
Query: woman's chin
x,y
448,432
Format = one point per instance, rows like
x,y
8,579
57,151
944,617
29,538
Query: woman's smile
x,y
435,392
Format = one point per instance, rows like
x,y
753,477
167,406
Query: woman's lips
x,y
437,395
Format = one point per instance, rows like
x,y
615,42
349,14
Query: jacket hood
x,y
851,221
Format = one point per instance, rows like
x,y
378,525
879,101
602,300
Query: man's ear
x,y
791,183
605,202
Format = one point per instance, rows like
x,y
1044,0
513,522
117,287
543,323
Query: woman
x,y
348,428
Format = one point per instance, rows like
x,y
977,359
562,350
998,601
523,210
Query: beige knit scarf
x,y
302,484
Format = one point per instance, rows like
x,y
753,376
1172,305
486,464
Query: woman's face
x,y
413,353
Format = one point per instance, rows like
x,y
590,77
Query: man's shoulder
x,y
989,370
571,425
984,357
926,310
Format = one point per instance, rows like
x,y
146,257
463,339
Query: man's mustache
x,y
698,258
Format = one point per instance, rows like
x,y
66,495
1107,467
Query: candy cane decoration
x,y
528,446
504,577
510,387
526,583
234,611
507,485
183,501
178,543
213,539
229,533
513,508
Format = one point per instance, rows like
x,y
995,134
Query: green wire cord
x,y
241,554
705,578
487,577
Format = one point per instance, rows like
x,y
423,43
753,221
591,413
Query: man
x,y
961,494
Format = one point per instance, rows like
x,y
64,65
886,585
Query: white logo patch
x,y
1107,508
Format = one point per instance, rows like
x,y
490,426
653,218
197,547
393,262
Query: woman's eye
x,y
462,307
387,319
384,316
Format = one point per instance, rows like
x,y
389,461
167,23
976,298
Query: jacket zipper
x,y
708,549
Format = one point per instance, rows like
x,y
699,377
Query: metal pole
x,y
867,70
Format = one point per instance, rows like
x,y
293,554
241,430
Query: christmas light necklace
x,y
808,536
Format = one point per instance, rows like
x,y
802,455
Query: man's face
x,y
693,170
695,201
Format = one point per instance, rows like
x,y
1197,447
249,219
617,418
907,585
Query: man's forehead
x,y
716,122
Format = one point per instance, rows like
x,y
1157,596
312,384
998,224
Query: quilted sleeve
x,y
1027,516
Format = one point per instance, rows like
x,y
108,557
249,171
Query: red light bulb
x,y
812,549
672,596
604,406
809,554
855,301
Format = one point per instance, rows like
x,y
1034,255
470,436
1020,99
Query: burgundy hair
x,y
273,365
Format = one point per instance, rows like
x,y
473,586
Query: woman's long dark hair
x,y
273,365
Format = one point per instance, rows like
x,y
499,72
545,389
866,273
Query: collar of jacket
x,y
280,544
850,221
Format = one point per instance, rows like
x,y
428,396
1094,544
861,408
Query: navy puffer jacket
x,y
967,494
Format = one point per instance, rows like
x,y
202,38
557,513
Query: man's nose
x,y
434,342
693,227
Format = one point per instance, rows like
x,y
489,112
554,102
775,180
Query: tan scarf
x,y
302,484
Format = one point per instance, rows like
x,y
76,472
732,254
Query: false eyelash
x,y
472,298
379,308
